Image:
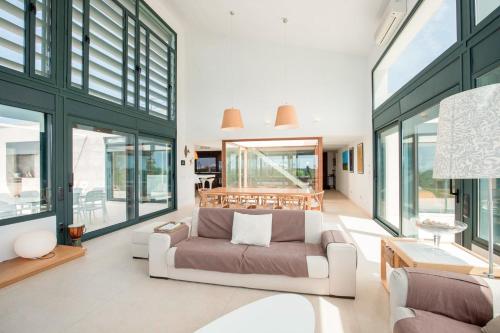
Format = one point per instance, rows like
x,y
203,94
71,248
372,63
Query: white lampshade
x,y
286,117
468,141
231,119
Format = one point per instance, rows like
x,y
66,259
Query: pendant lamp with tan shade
x,y
231,120
286,117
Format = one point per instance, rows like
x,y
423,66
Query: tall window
x,y
155,175
43,38
131,56
12,34
158,77
430,32
423,196
482,231
131,40
77,43
24,162
387,183
106,50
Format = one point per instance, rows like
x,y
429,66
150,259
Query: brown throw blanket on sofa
x,y
281,258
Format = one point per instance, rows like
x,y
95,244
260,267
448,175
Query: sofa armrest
x,y
398,285
462,297
342,263
158,246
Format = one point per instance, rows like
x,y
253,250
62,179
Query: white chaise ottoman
x,y
140,237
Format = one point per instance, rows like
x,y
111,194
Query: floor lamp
x,y
468,143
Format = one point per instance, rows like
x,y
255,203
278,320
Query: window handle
x,y
138,69
456,193
71,182
32,7
87,39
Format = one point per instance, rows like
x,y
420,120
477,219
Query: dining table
x,y
308,195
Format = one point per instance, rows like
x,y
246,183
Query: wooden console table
x,y
410,252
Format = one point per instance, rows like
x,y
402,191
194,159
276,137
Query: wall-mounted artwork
x,y
351,159
360,158
345,160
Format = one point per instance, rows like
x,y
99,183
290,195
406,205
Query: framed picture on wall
x,y
351,159
345,160
360,158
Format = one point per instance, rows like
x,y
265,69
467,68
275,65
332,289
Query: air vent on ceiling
x,y
393,15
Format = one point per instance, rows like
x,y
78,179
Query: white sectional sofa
x,y
327,258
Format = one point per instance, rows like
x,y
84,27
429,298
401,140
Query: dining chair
x,y
317,201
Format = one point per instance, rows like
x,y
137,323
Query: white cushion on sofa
x,y
252,229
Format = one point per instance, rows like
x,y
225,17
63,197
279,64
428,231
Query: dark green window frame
x,y
47,169
29,44
171,51
61,102
476,52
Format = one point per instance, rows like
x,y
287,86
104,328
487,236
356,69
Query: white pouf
x,y
35,244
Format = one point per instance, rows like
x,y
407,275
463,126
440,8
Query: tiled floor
x,y
108,291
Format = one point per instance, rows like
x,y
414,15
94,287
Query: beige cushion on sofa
x,y
252,229
493,326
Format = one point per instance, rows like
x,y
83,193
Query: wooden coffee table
x,y
410,252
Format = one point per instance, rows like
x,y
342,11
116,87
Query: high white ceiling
x,y
346,26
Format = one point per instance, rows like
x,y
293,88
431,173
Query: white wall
x,y
9,233
357,187
329,90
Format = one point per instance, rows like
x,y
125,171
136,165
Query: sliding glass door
x,y
387,178
423,197
155,175
102,180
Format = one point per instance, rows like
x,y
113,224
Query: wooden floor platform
x,y
17,269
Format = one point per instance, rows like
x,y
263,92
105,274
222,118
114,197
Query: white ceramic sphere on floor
x,y
35,244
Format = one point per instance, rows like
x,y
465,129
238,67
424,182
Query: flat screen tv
x,y
206,165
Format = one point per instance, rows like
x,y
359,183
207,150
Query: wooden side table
x,y
410,252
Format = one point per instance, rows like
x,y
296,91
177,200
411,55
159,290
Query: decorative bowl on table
x,y
438,228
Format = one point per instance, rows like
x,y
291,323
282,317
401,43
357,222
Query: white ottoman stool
x,y
140,238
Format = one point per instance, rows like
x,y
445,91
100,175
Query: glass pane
x,y
144,68
484,8
106,50
155,178
489,78
77,44
131,63
423,196
158,77
270,164
103,177
484,218
388,176
43,37
12,31
430,32
24,162
150,20
173,86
